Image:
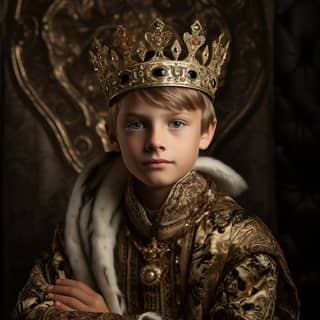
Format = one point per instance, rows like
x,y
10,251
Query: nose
x,y
155,140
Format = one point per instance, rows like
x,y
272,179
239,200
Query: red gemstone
x,y
158,40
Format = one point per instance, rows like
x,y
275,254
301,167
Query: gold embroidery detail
x,y
151,273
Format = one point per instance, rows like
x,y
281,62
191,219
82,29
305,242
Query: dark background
x,y
295,129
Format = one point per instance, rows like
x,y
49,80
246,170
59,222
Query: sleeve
x,y
52,264
33,303
248,291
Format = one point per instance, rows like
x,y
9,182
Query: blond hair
x,y
173,98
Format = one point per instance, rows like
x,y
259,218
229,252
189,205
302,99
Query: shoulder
x,y
225,211
241,232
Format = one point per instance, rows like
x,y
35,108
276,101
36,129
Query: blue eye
x,y
135,125
176,124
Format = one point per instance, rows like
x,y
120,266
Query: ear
x,y
207,135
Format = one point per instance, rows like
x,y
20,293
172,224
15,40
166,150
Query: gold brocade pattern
x,y
184,205
53,314
160,245
236,286
50,266
223,265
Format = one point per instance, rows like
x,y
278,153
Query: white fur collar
x,y
226,179
91,230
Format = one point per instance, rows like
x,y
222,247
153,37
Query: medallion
x,y
150,274
152,253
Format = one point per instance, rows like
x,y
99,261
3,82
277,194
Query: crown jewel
x,y
130,64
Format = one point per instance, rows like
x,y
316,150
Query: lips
x,y
157,163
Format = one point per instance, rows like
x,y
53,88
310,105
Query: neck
x,y
151,198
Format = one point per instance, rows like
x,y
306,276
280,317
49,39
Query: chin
x,y
159,179
157,182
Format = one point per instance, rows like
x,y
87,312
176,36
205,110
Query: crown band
x,y
126,65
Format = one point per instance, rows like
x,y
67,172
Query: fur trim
x,y
74,249
106,218
226,179
149,316
90,232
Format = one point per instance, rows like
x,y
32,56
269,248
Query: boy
x,y
151,230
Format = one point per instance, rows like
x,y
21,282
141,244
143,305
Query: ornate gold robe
x,y
200,257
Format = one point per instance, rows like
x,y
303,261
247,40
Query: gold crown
x,y
127,65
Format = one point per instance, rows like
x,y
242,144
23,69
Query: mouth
x,y
157,163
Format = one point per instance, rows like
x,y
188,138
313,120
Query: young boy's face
x,y
158,145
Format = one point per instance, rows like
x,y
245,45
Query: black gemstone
x,y
192,74
159,72
124,78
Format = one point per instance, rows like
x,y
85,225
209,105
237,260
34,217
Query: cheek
x,y
129,141
189,141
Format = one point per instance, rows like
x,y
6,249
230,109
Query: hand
x,y
73,295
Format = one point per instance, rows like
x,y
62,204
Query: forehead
x,y
146,108
173,98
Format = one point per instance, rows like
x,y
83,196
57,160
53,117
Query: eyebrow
x,y
171,114
134,114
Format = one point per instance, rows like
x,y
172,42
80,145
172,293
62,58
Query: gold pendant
x,y
150,274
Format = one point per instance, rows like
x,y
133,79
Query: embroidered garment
x,y
201,256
